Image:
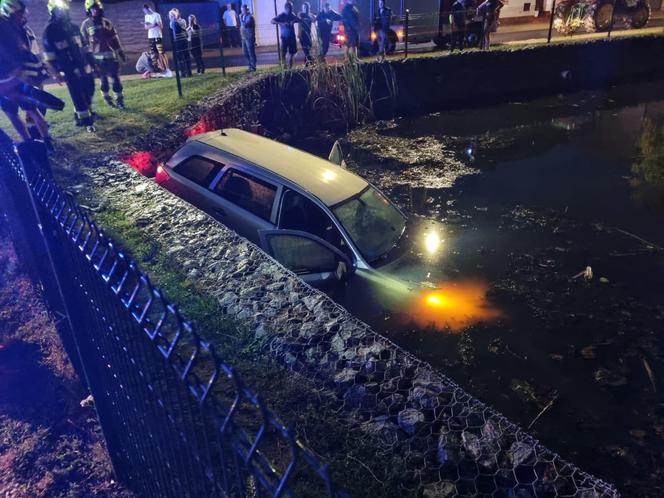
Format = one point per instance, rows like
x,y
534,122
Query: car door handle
x,y
219,211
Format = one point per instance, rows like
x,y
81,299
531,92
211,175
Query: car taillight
x,y
341,38
400,35
161,175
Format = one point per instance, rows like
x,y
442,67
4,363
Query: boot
x,y
119,101
109,100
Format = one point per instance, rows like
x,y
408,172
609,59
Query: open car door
x,y
314,260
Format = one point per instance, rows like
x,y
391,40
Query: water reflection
x,y
648,169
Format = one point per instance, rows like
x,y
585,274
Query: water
x,y
529,195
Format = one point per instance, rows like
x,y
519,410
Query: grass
x,y
149,103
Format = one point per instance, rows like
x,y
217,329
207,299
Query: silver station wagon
x,y
316,218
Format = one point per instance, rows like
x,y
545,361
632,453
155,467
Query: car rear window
x,y
199,170
248,192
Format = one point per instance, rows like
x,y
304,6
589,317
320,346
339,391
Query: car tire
x,y
640,16
603,16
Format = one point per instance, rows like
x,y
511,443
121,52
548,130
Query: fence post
x,y
553,11
175,63
613,14
405,33
222,57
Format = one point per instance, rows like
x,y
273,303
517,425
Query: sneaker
x,y
119,103
109,101
167,73
91,129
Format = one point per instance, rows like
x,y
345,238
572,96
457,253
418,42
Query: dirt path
x,y
50,446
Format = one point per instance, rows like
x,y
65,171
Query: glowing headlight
x,y
432,242
374,36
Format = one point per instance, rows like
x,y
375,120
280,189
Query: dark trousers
x,y
249,51
324,44
109,69
458,38
81,88
197,54
307,53
182,59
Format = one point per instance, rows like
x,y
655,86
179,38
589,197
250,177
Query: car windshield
x,y
373,223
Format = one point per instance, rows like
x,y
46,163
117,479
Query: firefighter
x,y
21,62
66,56
103,41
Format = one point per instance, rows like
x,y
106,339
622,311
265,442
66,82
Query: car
x,y
312,215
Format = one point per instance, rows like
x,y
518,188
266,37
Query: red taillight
x,y
161,175
341,38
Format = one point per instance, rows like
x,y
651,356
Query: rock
x,y
447,447
443,489
87,402
519,452
346,376
410,420
471,443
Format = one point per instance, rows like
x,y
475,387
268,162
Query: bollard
x,y
553,11
222,58
405,33
276,28
613,14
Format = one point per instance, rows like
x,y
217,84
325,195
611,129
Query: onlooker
x,y
304,27
489,12
146,67
351,19
154,25
286,21
383,26
19,61
104,44
196,43
248,33
458,13
324,22
67,62
231,23
179,29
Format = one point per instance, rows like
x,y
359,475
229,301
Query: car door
x,y
191,179
244,202
311,258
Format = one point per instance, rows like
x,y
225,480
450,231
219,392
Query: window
x,y
302,255
248,192
299,213
373,223
199,170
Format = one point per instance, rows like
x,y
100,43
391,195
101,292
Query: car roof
x,y
327,181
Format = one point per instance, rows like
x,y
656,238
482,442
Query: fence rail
x,y
178,420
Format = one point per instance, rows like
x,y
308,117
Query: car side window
x,y
199,170
300,213
248,192
302,255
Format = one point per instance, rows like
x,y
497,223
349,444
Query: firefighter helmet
x,y
91,3
57,4
9,7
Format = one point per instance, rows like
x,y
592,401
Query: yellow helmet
x,y
57,4
91,3
9,7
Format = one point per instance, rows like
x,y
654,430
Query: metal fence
x,y
177,419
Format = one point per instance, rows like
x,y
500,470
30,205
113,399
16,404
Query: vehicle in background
x,y
317,219
571,16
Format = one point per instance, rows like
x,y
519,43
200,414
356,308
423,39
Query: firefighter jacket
x,y
65,49
102,38
17,55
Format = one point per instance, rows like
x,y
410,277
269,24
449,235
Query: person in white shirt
x,y
231,23
153,24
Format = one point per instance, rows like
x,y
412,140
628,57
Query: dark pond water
x,y
529,195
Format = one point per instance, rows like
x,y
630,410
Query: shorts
x,y
288,45
156,46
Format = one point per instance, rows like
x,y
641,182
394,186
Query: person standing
x,y
231,23
458,13
488,12
351,20
248,34
286,21
65,56
196,43
104,43
383,26
154,25
19,61
304,32
179,30
324,22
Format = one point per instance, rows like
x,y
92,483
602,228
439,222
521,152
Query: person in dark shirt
x,y
106,51
66,57
458,13
383,25
324,22
489,12
196,43
351,19
179,29
248,34
306,42
286,21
